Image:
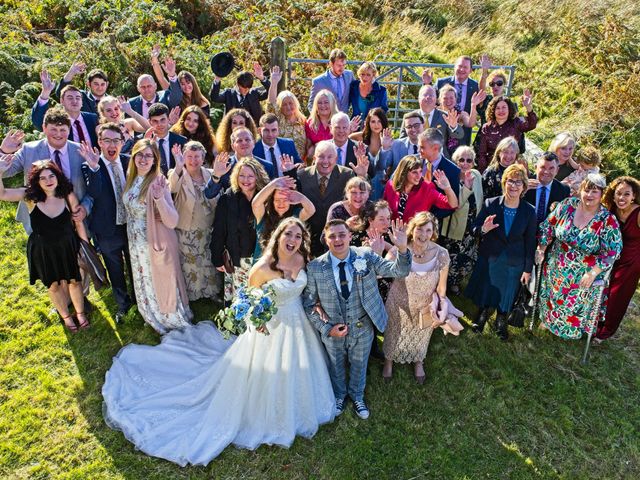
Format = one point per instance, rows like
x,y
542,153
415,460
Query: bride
x,y
188,398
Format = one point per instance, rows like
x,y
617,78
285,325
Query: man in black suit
x,y
97,81
159,121
83,124
431,142
105,176
545,191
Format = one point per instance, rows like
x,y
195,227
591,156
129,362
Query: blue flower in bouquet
x,y
266,302
258,309
240,309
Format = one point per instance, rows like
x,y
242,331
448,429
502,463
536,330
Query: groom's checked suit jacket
x,y
321,286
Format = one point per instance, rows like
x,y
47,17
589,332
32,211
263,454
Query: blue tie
x,y
344,285
339,88
339,162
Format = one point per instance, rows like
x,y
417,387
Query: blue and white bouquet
x,y
251,304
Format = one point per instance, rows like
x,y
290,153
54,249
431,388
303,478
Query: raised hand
x,y
258,72
150,134
398,235
488,224
386,139
75,69
221,164
47,85
158,187
5,163
468,179
354,124
276,74
527,99
441,180
92,157
169,66
176,151
295,197
452,119
478,97
284,183
427,77
155,53
125,106
362,165
375,241
286,162
485,61
174,115
360,150
13,141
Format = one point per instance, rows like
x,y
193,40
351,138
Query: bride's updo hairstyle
x,y
272,246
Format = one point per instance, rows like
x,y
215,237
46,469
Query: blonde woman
x,y
564,146
286,106
365,93
318,125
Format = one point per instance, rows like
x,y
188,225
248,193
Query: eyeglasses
x,y
465,160
515,183
111,141
413,125
497,83
146,156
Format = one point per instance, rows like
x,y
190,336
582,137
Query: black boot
x,y
501,326
483,315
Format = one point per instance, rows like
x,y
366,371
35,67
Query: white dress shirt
x,y
336,271
64,159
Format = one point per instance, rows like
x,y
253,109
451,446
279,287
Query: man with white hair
x,y
149,94
340,129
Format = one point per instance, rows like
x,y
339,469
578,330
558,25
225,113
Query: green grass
x,y
525,409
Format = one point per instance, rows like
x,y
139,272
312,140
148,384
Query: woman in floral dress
x,y
587,243
159,285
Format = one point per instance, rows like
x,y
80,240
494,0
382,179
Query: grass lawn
x,y
525,409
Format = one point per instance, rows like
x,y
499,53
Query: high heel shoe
x,y
83,324
73,327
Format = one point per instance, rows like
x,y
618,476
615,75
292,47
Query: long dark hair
x,y
272,246
203,134
366,132
608,198
34,192
272,219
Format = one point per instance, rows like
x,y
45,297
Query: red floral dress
x,y
565,308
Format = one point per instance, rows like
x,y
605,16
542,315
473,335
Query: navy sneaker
x,y
361,409
340,404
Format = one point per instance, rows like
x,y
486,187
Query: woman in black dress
x,y
52,248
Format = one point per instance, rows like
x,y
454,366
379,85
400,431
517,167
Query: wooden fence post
x,y
279,57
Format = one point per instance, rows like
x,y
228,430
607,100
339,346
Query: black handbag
x,y
520,308
89,261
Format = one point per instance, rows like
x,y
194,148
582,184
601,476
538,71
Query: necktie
x,y
459,87
415,149
272,153
323,185
339,156
339,88
58,159
116,170
80,135
163,157
427,123
344,285
148,105
541,211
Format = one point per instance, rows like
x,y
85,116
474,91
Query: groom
x,y
344,283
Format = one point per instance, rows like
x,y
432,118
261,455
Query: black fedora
x,y
222,64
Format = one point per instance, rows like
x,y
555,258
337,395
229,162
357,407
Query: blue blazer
x,y
102,221
472,87
391,158
323,82
452,172
171,97
90,120
285,145
377,98
520,244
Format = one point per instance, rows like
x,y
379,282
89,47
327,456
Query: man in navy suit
x,y
159,121
148,89
105,176
545,191
336,79
271,147
465,87
431,142
83,124
97,81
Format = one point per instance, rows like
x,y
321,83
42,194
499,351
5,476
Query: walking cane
x,y
594,313
536,295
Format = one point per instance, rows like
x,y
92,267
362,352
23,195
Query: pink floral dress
x,y
565,308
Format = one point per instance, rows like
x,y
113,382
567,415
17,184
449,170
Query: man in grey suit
x,y
56,147
394,150
343,282
336,79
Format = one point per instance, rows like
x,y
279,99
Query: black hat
x,y
222,63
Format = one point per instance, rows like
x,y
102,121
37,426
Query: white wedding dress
x,y
188,398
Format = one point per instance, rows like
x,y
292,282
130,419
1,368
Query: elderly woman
x,y
318,125
564,146
194,125
587,241
502,122
275,202
234,241
235,118
411,323
409,193
456,229
622,198
375,125
160,288
589,160
52,247
286,106
187,182
356,197
507,226
365,93
505,155
448,100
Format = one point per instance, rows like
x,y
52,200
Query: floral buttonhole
x,y
360,266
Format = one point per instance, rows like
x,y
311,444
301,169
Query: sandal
x,y
84,324
73,328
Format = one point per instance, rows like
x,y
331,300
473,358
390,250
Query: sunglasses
x,y
465,160
497,83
